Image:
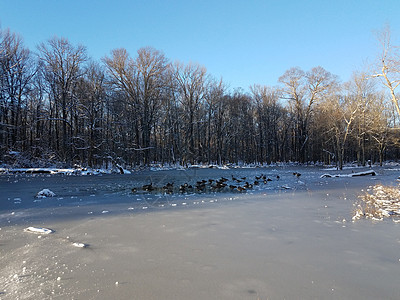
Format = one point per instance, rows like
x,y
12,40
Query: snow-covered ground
x,y
291,237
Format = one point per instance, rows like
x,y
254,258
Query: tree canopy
x,y
59,105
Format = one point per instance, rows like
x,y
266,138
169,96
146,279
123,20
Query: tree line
x,y
60,105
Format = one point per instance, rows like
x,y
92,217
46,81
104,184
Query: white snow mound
x,y
41,230
45,193
80,245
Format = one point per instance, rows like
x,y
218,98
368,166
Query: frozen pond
x,y
76,195
290,238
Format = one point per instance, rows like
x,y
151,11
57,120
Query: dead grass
x,y
378,203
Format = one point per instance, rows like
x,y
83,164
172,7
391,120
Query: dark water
x,y
83,196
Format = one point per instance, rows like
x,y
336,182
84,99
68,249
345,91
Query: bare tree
x,y
268,112
123,110
389,64
362,91
339,114
91,96
191,88
151,67
294,90
16,72
63,67
379,129
241,136
142,80
37,115
303,90
216,120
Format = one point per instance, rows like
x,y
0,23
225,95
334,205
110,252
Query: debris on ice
x,y
382,202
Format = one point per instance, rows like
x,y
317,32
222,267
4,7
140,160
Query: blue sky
x,y
244,42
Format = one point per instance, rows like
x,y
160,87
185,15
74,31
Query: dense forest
x,y
59,105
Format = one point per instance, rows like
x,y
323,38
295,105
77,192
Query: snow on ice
x,y
40,230
45,193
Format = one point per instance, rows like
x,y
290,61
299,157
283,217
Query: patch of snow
x,y
95,172
45,193
80,245
40,230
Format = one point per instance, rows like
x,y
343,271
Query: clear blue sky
x,y
244,42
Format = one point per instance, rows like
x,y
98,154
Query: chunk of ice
x,y
80,245
45,193
39,230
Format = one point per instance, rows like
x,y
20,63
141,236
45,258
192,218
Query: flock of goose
x,y
234,184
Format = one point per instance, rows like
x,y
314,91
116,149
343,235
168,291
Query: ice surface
x,y
267,243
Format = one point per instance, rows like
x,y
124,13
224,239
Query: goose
x,y
200,186
248,185
168,186
184,187
148,187
240,189
297,174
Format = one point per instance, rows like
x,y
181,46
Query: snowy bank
x,y
39,171
54,171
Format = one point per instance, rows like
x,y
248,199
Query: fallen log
x,y
371,172
365,173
